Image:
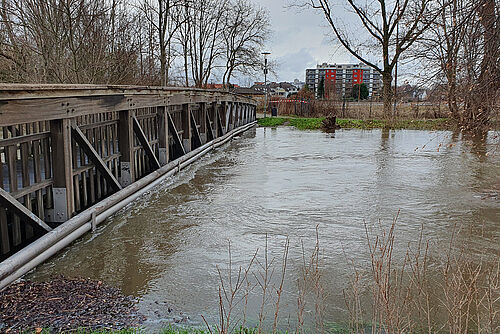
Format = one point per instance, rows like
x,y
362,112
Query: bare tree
x,y
128,41
391,26
147,46
183,38
482,97
462,49
67,41
165,20
13,65
205,25
246,28
440,46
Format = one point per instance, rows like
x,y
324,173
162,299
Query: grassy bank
x,y
317,123
299,123
413,124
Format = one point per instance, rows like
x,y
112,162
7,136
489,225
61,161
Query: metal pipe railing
x,y
49,244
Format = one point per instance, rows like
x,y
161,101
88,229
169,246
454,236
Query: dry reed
x,y
463,298
413,289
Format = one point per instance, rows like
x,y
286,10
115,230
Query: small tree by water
x,y
360,91
321,88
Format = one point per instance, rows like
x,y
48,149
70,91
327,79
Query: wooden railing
x,y
65,148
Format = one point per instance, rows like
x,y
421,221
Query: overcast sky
x,y
299,40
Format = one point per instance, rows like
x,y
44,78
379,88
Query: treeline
x,y
461,52
456,41
151,42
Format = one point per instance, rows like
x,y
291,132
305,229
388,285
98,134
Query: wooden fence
x,y
65,148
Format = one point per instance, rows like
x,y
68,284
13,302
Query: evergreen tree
x,y
321,88
361,89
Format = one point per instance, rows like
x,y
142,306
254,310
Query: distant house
x,y
299,84
247,91
409,93
218,86
260,96
281,89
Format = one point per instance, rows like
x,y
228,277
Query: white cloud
x,y
298,41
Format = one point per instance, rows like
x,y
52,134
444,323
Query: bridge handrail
x,y
21,103
64,148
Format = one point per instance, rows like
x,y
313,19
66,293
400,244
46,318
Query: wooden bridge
x,y
70,156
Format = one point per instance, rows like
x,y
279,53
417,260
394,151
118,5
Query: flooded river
x,y
166,247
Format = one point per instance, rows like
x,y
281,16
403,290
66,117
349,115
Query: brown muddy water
x,y
166,247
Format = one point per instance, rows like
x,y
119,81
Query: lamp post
x,y
396,69
265,78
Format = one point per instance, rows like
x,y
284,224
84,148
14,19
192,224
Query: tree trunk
x,y
387,93
186,67
163,63
452,96
482,97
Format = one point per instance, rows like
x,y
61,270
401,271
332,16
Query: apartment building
x,y
340,78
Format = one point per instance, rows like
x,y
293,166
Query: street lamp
x,y
265,78
396,68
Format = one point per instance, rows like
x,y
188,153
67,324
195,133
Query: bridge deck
x,y
66,148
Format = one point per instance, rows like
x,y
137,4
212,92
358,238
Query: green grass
x,y
173,330
271,121
334,328
425,124
102,331
317,123
307,123
95,331
360,124
299,123
415,124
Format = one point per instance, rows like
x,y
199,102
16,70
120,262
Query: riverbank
x,y
63,304
127,331
317,123
174,330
